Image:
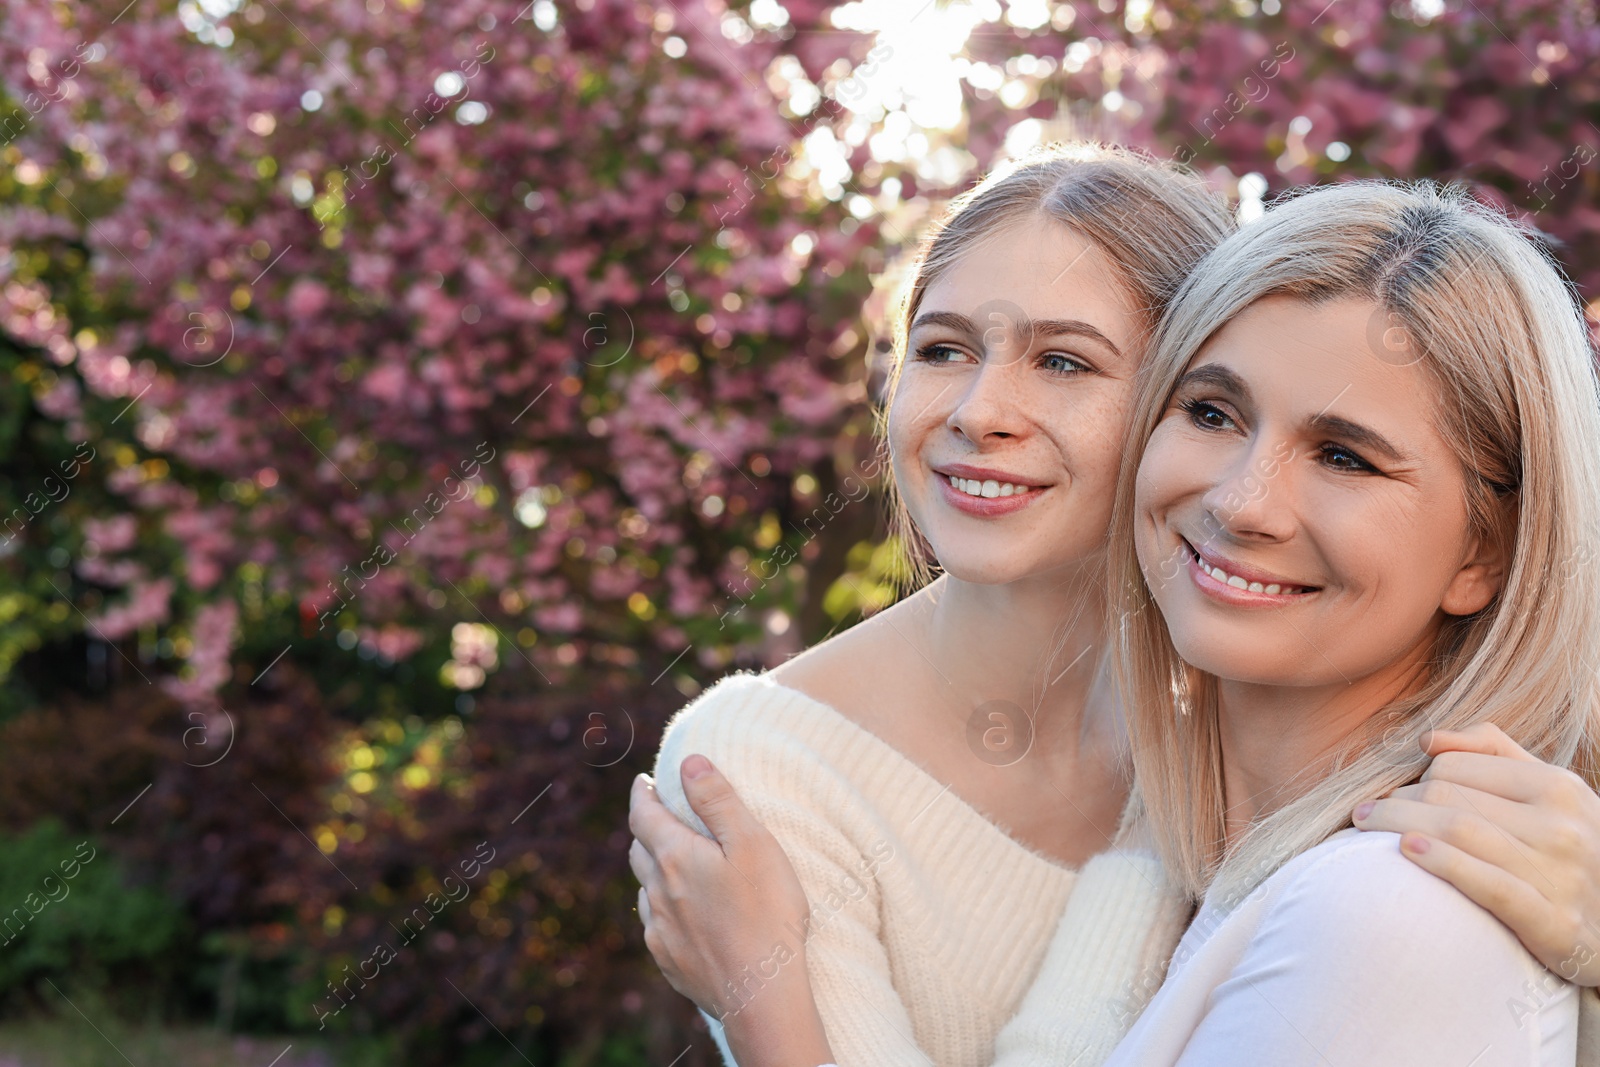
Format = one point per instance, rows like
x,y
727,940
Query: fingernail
x,y
1363,810
696,765
1416,844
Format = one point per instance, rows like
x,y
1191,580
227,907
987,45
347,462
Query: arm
x,y
1364,958
1518,836
712,907
721,906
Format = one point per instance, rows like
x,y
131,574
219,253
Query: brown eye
x,y
1207,416
1341,458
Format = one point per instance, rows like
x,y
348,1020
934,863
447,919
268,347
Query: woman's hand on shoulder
x,y
725,917
1518,836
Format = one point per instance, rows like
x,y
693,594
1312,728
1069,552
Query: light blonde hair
x,y
1153,219
1488,316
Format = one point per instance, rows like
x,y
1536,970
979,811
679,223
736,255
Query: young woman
x,y
938,776
928,920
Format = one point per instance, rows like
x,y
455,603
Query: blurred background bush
x,y
405,407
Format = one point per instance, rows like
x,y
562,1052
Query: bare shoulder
x,y
862,670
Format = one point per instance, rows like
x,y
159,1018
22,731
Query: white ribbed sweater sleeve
x,y
1105,962
1108,957
801,800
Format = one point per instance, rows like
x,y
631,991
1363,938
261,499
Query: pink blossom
x,y
147,604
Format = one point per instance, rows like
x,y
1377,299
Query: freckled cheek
x,y
912,416
908,437
914,488
923,403
1089,434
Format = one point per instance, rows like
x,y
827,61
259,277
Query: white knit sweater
x,y
929,921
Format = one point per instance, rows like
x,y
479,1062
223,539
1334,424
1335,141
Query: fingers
x,y
654,942
639,795
1487,828
712,797
651,821
1518,836
1485,738
1562,799
1526,781
644,865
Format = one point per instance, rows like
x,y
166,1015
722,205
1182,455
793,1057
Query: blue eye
x,y
937,353
1061,363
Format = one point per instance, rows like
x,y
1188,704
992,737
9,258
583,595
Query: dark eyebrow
x,y
1363,437
1034,327
1218,377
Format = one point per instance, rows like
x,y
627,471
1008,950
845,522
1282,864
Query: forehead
x,y
1045,269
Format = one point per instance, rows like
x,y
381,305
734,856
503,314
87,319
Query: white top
x,y
930,921
1350,955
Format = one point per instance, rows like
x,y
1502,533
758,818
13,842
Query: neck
x,y
1038,643
1276,740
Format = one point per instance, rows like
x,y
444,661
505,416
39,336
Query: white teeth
x,y
987,488
1239,583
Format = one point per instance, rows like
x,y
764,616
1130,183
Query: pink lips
x,y
985,506
981,474
1219,589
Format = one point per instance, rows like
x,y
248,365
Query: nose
x,y
990,407
1253,498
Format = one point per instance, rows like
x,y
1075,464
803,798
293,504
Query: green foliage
x,y
70,911
64,1040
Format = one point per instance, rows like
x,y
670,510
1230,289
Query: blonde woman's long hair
x,y
1488,316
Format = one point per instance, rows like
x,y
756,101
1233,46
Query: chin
x,y
1249,660
998,562
993,570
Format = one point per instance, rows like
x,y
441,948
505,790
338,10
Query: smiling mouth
x,y
1236,582
988,487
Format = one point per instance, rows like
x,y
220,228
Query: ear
x,y
1478,581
